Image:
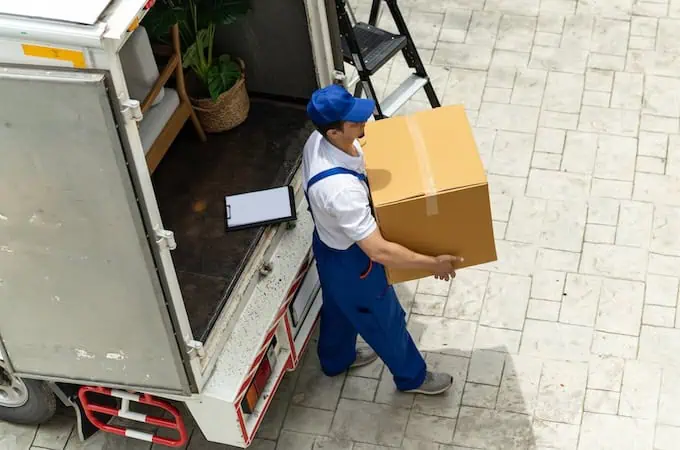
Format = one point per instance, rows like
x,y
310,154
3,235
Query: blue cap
x,y
333,104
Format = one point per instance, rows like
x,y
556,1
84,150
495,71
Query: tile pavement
x,y
570,341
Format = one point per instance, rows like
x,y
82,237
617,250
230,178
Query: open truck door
x,y
75,226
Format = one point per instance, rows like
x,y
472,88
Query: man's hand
x,y
445,267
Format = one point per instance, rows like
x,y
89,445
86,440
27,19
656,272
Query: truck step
x,y
93,409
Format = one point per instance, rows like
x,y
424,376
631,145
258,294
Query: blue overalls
x,y
358,299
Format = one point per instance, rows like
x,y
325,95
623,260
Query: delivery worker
x,y
351,253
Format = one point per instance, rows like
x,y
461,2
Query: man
x,y
351,253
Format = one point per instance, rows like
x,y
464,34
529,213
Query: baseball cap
x,y
333,104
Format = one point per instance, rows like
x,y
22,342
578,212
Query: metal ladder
x,y
369,48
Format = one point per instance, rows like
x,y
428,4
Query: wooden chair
x,y
165,110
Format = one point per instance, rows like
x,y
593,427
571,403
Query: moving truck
x,y
116,287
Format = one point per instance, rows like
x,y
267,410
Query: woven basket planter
x,y
228,111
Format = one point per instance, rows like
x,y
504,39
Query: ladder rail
x,y
346,30
381,46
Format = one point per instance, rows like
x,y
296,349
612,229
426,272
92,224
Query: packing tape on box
x,y
431,206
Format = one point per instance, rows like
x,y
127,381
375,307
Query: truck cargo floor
x,y
191,183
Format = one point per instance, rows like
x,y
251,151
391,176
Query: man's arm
x,y
394,255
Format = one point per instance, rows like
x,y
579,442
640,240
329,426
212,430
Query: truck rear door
x,y
82,297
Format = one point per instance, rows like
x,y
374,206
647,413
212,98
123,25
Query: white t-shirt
x,y
340,203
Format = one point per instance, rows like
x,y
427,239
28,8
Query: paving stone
x,y
580,150
549,161
429,305
620,307
369,422
610,37
561,392
611,189
506,301
650,164
559,260
508,117
580,299
555,435
665,236
605,373
640,390
497,95
467,295
563,92
496,338
547,39
552,185
603,402
543,310
484,428
509,59
599,80
669,397
618,345
486,367
432,428
635,224
657,92
358,388
600,234
440,334
54,434
620,122
465,87
661,290
594,98
666,437
480,395
463,56
483,28
308,420
562,59
661,316
455,26
512,154
603,211
550,140
519,386
614,261
660,345
607,432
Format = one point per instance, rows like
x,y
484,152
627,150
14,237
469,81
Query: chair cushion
x,y
156,117
139,66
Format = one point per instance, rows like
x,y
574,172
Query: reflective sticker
x,y
76,57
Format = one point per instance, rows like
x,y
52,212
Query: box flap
x,y
409,156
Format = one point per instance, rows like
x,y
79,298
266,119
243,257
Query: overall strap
x,y
329,173
334,171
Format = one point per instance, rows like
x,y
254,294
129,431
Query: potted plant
x,y
217,82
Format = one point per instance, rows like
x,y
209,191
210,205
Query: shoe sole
x,y
424,392
364,363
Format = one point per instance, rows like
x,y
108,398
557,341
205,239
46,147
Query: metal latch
x,y
165,238
131,109
195,348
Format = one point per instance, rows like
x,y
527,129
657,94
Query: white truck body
x,y
88,291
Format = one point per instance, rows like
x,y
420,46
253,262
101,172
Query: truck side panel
x,y
75,257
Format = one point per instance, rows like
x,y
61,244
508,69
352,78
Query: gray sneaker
x,y
435,383
365,356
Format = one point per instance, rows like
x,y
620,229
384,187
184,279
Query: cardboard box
x,y
429,188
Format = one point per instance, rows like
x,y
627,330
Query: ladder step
x,y
377,46
403,93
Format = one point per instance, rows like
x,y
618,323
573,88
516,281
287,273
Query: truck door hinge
x,y
195,349
165,238
131,109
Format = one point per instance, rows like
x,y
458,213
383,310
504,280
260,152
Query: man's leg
x,y
337,339
383,327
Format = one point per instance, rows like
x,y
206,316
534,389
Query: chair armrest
x,y
160,82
